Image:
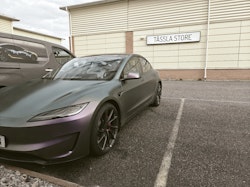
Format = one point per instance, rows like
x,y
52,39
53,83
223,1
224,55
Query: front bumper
x,y
46,142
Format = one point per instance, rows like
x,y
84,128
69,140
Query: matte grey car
x,y
77,110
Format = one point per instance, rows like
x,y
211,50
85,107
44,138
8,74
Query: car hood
x,y
34,97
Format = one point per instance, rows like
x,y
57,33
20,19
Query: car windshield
x,y
102,67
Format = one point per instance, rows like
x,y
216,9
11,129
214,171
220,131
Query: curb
x,y
51,179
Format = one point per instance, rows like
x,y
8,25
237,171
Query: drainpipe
x,y
208,28
70,31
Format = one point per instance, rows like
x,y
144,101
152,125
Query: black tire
x,y
105,129
157,97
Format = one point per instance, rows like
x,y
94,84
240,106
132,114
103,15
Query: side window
x,y
61,55
4,48
133,65
21,51
145,65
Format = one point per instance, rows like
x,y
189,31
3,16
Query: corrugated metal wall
x,y
89,24
110,17
132,15
229,10
102,43
136,15
169,17
229,38
5,26
143,14
173,56
229,45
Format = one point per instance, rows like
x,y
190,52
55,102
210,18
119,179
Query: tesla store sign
x,y
174,38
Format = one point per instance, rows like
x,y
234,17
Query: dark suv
x,y
23,58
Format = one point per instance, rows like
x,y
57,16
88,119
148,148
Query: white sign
x,y
174,38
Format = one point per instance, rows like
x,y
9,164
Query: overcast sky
x,y
40,15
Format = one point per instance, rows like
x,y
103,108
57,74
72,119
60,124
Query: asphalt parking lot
x,y
198,136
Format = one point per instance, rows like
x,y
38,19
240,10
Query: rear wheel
x,y
157,97
105,129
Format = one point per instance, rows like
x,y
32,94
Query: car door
x,y
133,93
58,58
35,56
149,79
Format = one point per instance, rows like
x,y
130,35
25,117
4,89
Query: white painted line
x,y
162,177
208,100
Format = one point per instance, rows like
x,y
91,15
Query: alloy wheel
x,y
106,129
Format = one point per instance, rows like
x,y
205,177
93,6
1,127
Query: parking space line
x,y
162,176
209,100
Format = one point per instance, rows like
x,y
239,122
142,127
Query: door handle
x,y
48,70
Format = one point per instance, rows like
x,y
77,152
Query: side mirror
x,y
132,75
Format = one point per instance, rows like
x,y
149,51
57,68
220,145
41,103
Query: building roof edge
x,y
34,32
8,17
66,8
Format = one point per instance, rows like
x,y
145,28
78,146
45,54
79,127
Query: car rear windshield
x,y
102,67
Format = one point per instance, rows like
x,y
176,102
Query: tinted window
x,y
145,65
61,55
133,65
13,50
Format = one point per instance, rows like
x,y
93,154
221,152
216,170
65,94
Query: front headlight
x,y
59,113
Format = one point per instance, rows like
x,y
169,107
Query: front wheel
x,y
157,97
105,129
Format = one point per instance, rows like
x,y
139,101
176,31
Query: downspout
x,y
70,32
12,29
208,28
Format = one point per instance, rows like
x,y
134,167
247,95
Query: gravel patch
x,y
13,178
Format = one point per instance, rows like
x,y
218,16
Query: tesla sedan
x,y
77,110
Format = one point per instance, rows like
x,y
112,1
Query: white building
x,y
183,39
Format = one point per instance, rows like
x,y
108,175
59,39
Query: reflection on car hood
x,y
35,97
